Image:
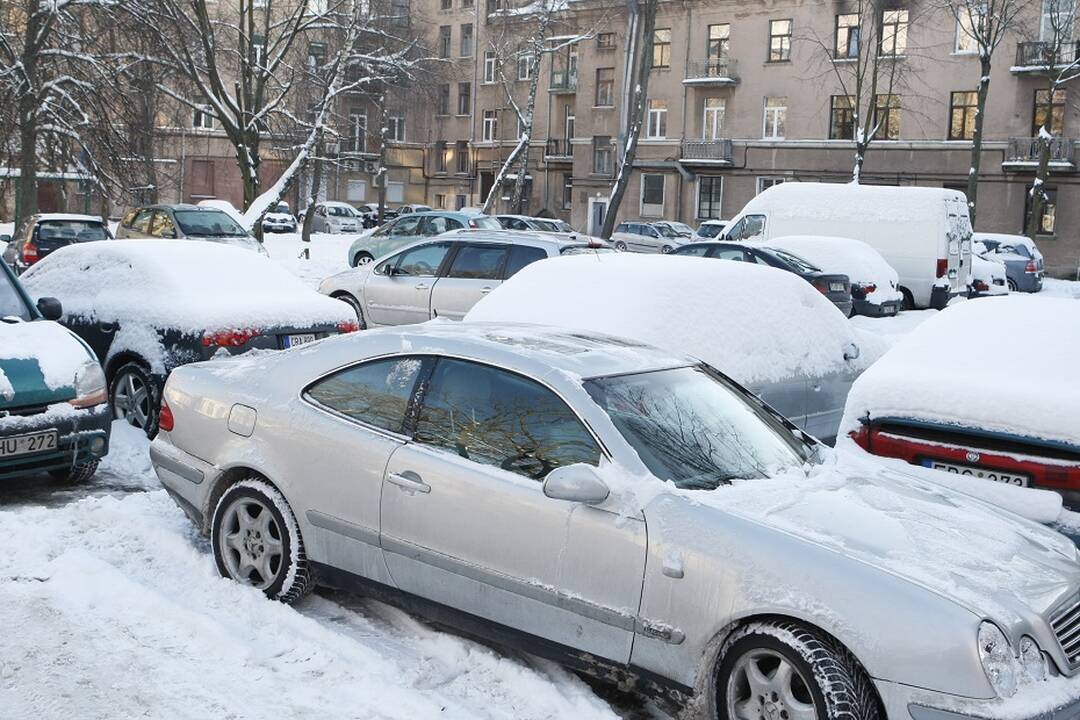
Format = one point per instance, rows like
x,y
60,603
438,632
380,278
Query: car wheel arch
x,y
114,362
230,476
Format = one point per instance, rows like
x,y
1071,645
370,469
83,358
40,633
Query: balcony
x,y
563,82
558,150
706,152
714,71
1023,154
1036,58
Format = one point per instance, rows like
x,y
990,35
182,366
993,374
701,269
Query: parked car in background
x,y
369,214
644,237
874,283
709,230
766,328
549,226
280,219
333,217
413,208
441,276
1022,258
1014,419
988,274
834,286
186,222
54,413
681,229
923,233
631,513
409,228
41,234
146,307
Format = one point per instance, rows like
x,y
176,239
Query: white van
x,y
924,233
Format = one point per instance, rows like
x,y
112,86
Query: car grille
x,y
1066,625
24,411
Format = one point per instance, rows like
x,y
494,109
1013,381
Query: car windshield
x,y
71,230
281,208
207,223
485,223
710,230
11,302
339,211
795,260
666,231
692,427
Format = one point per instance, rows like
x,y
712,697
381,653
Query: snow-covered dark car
x,y
145,307
40,234
187,222
53,412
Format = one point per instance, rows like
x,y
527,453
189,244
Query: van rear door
x,y
958,244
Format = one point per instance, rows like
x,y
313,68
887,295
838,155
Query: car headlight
x,y
999,663
90,386
1032,659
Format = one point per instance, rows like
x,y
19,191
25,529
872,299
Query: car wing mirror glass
x,y
851,351
4,239
50,308
576,483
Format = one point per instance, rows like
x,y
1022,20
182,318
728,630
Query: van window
x,y
749,226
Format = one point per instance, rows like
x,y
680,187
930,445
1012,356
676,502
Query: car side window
x,y
376,393
498,418
727,254
405,226
694,251
522,255
422,261
162,225
623,227
141,221
650,231
479,262
750,226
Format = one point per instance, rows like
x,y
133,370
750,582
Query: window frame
x,y
607,151
849,111
1049,107
964,109
853,31
490,67
894,31
608,84
446,41
660,115
716,206
890,105
464,99
493,125
781,51
777,112
647,209
469,35
718,47
663,47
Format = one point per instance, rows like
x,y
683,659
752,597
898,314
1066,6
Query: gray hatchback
x,y
186,222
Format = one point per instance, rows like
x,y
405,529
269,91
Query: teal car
x,y
54,410
413,226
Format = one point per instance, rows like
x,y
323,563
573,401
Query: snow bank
x,y
755,323
854,258
191,286
57,352
1028,388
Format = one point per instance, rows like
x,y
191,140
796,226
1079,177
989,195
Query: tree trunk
x,y
313,194
26,191
380,174
977,138
1038,188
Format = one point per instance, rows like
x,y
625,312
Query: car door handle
x,y
485,290
422,286
413,483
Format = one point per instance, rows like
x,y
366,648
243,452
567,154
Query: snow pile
x,y
1029,389
755,323
861,263
57,352
190,286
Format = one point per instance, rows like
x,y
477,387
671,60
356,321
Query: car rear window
x,y
522,255
71,231
11,302
376,393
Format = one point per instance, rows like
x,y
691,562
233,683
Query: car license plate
x,y
836,287
302,339
995,475
27,444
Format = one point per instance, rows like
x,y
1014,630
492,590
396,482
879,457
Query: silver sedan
x,y
626,512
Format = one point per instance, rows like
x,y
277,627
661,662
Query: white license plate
x,y
302,339
890,309
995,475
28,444
836,287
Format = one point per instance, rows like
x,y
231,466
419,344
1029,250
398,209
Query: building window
x,y
446,4
395,128
605,87
894,26
764,183
202,118
524,66
652,194
466,40
444,41
464,98
491,126
779,40
489,66
318,7
712,125
316,56
1050,113
969,27
842,118
442,102
569,122
847,36
440,201
775,115
657,120
1058,17
719,38
962,107
462,153
461,200
567,191
661,48
1047,221
358,132
887,117
258,46
605,41
440,156
710,195
602,155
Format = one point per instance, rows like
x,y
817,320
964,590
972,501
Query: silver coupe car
x,y
629,513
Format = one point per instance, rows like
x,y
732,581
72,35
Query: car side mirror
x,y
50,308
576,483
851,351
5,239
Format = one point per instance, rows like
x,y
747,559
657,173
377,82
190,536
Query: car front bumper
x,y
903,702
82,437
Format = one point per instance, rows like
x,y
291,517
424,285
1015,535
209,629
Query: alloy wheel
x,y
764,685
131,400
250,543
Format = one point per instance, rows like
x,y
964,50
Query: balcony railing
x,y
558,148
707,151
1025,151
1035,56
563,81
720,70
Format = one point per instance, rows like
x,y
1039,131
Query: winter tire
x,y
77,473
620,246
783,671
362,259
135,397
1012,284
257,542
666,250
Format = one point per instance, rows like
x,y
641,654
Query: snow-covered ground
x,y
329,254
1061,288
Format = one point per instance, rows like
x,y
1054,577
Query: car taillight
x,y
30,253
165,417
822,286
861,291
1030,267
942,267
980,286
472,224
862,437
229,338
348,326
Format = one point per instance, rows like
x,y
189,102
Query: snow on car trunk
x,y
1028,388
854,258
755,323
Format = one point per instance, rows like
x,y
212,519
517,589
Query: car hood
x,y
38,362
985,559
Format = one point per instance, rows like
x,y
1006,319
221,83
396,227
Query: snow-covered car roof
x,y
714,222
1029,390
189,286
755,323
223,205
69,217
1007,239
861,263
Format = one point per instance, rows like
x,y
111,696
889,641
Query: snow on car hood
x,y
38,361
861,263
987,560
1029,389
